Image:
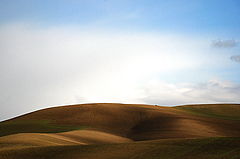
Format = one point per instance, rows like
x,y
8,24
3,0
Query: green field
x,y
221,111
33,126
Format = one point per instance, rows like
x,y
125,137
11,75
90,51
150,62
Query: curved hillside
x,y
77,137
107,131
207,148
136,122
222,111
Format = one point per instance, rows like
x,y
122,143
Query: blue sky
x,y
131,51
175,15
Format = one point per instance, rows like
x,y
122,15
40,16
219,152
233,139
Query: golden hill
x,y
137,122
76,126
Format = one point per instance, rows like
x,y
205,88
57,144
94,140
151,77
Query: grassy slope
x,y
34,126
207,148
221,111
79,137
136,122
116,118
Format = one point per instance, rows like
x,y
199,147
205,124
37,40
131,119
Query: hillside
x,y
89,129
138,122
206,148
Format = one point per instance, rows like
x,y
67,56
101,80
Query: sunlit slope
x,y
107,131
77,137
207,148
136,122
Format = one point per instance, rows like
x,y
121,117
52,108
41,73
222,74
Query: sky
x,y
63,52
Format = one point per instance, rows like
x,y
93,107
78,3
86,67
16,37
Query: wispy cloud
x,y
224,43
235,58
212,91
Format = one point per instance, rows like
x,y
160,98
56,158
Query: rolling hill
x,y
112,130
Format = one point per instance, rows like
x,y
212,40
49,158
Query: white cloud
x,y
212,91
55,66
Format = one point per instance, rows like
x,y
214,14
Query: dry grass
x,y
102,124
206,148
78,137
137,122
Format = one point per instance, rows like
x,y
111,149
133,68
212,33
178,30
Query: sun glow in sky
x,y
130,51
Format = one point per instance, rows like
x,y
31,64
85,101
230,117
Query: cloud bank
x,y
212,91
42,67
